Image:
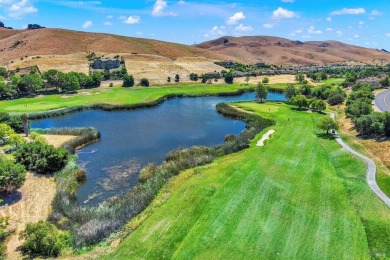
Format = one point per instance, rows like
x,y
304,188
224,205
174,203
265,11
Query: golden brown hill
x,y
280,51
15,44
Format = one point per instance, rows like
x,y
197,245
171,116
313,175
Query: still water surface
x,y
132,139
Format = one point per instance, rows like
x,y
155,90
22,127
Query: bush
x,y
44,239
144,82
42,158
147,172
229,78
12,176
128,81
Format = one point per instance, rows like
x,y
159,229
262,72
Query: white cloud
x,y
329,29
356,36
281,13
329,19
387,34
122,17
159,9
313,30
108,24
87,24
288,1
235,18
109,16
182,2
132,20
349,11
215,31
339,32
361,22
306,36
376,13
243,28
18,9
268,25
2,18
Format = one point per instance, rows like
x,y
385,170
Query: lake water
x,y
132,139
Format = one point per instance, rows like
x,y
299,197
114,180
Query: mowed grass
x,y
114,95
300,196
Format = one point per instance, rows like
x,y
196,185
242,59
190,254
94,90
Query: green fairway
x,y
300,196
114,95
333,80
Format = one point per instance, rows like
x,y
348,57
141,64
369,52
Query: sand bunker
x,y
265,137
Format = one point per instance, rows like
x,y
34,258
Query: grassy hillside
x,y
20,43
300,196
275,50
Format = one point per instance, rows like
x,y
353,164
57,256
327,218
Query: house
x,y
106,64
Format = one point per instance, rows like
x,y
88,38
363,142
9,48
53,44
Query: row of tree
x,y
359,109
334,95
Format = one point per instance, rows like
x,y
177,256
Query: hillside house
x,y
106,64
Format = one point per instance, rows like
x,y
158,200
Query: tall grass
x,y
90,225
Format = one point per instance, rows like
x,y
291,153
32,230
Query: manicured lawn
x,y
333,80
115,95
299,197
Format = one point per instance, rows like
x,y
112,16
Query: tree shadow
x,y
325,136
10,199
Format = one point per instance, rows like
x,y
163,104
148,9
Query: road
x,y
371,168
382,100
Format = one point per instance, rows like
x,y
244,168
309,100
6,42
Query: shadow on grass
x,y
329,136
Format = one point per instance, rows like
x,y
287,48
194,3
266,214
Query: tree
x,y
194,77
265,80
3,72
12,176
1,24
42,158
261,92
326,123
386,123
68,82
319,105
7,91
5,132
299,77
229,78
52,77
30,84
144,82
169,79
290,91
300,101
205,78
305,90
128,81
96,78
44,239
177,78
247,79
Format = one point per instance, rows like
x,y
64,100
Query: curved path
x,y
382,100
371,169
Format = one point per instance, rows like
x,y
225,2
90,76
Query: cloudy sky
x,y
364,23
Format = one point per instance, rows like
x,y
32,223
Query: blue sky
x,y
364,23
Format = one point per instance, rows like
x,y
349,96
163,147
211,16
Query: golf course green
x,y
114,95
300,196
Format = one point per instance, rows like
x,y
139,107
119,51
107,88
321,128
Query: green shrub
x,y
147,172
144,82
44,239
42,158
12,176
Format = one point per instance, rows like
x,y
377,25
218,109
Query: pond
x,y
132,139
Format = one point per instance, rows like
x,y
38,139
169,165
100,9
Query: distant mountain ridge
x,y
17,44
281,51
